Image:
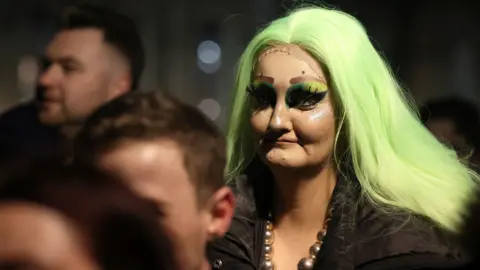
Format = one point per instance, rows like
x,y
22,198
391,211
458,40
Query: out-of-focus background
x,y
192,45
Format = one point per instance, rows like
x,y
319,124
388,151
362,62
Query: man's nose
x,y
50,76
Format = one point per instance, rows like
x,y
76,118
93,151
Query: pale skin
x,y
300,158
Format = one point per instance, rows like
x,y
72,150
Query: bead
x,y
314,249
269,256
268,251
269,226
268,265
321,234
269,237
303,264
306,264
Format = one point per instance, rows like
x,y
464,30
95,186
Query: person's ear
x,y
221,207
120,85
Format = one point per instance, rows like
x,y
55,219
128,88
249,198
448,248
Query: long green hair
x,y
398,163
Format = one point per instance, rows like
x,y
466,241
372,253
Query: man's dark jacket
x,y
22,134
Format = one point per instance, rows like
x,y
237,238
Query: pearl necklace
x,y
305,263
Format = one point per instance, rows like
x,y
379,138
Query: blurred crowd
x,y
97,174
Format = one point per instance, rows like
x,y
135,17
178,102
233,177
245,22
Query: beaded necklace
x,y
306,263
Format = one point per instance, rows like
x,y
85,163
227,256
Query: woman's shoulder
x,y
400,238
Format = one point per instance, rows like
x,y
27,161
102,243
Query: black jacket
x,y
358,238
22,134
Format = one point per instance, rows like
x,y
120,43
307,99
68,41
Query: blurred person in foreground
x,y
455,122
95,56
170,152
55,218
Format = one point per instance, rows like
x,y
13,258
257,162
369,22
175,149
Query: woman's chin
x,y
282,161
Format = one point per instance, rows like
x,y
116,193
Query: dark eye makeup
x,y
303,96
263,93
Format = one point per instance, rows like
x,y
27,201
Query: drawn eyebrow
x,y
300,79
265,78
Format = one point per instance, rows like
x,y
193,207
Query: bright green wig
x,y
398,163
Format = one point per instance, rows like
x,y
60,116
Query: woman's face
x,y
292,115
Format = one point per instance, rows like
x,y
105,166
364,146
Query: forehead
x,y
155,169
33,233
287,61
83,42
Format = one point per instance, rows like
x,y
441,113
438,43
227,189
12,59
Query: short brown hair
x,y
118,29
151,116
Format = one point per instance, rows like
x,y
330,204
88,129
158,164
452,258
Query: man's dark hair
x,y
119,31
121,229
152,116
461,112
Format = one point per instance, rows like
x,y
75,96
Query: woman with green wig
x,y
331,165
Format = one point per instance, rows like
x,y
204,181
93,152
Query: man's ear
x,y
222,207
120,85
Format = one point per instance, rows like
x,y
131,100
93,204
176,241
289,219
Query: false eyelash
x,y
306,97
251,90
319,95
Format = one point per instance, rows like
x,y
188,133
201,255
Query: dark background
x,y
432,47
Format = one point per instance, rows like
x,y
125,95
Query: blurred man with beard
x,y
95,56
